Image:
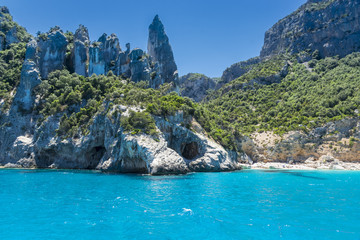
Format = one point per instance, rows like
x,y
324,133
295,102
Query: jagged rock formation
x,y
195,86
28,140
30,78
237,70
105,55
139,66
161,54
81,50
107,147
52,52
96,61
330,26
125,62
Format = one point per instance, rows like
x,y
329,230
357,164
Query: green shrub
x,y
139,122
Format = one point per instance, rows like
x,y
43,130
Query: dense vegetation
x,y
11,59
63,93
310,95
307,95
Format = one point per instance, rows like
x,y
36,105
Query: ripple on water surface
x,y
43,204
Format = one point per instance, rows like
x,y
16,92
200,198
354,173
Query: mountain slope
x,y
332,27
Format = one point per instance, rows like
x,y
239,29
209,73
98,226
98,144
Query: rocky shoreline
x,y
323,163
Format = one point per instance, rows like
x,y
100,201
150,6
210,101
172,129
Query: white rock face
x,y
107,147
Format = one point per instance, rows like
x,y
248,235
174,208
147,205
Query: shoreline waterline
x,y
344,166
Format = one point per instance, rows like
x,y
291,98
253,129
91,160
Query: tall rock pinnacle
x,y
161,54
81,50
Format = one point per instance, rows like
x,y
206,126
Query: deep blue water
x,y
41,204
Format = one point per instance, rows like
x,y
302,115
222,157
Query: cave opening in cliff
x,y
190,150
133,165
94,156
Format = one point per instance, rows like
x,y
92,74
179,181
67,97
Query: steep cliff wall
x,y
161,54
330,26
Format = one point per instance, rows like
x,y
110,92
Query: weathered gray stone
x,y
237,70
16,145
124,62
111,53
52,52
107,147
161,54
81,50
330,26
105,56
195,86
139,66
96,60
30,78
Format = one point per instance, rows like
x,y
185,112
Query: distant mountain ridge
x,y
324,28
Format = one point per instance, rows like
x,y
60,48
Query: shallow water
x,y
41,204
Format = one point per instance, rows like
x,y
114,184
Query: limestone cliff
x,y
330,26
108,147
161,54
237,70
81,50
196,86
52,52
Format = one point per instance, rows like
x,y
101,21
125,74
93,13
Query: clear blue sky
x,y
207,36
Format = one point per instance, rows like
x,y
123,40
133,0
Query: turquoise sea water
x,y
41,204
